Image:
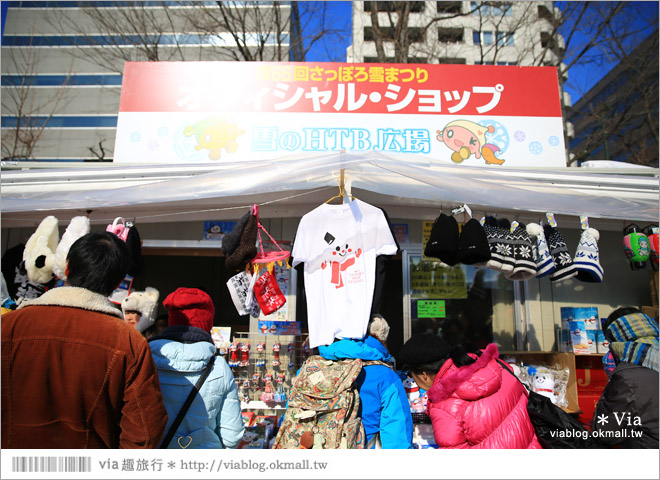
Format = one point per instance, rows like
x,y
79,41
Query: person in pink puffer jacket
x,y
472,401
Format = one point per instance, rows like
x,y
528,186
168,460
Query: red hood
x,y
450,378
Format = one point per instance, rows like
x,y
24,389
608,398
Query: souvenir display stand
x,y
410,192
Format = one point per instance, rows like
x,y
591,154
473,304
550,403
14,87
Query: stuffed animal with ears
x,y
78,227
39,252
145,303
543,383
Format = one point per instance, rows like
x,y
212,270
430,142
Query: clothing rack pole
x,y
341,181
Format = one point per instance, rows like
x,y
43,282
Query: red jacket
x,y
74,375
480,406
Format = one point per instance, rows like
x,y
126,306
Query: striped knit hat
x,y
544,263
563,260
586,259
634,339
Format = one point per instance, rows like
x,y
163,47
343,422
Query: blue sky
x,y
582,76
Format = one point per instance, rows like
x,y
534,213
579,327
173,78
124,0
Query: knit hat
x,y
497,257
507,248
634,339
473,244
379,328
39,252
523,253
145,303
586,257
443,241
78,227
422,349
544,264
247,246
134,245
563,260
230,241
190,306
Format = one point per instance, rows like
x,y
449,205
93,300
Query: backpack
x,y
323,406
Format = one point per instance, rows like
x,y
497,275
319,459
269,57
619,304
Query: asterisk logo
x,y
171,465
602,419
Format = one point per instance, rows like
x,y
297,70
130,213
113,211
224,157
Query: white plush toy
x,y
145,303
412,389
39,252
544,384
78,227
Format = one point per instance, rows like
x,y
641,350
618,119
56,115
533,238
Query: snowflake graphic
x,y
564,258
525,251
535,148
602,419
503,249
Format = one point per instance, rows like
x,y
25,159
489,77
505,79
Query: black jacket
x,y
628,406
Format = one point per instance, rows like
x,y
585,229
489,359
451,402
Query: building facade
x,y
62,63
460,32
618,118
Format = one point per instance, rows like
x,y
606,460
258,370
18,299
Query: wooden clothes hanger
x,y
342,192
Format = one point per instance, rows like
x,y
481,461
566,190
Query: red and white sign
x,y
192,112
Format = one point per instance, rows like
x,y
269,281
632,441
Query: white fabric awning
x,y
292,186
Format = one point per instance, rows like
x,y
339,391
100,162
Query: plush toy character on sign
x,y
544,384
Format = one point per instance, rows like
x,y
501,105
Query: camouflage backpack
x,y
323,407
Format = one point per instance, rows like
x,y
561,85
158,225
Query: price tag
x,y
482,221
514,225
584,221
551,219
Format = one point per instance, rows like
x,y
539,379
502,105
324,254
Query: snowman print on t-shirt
x,y
340,259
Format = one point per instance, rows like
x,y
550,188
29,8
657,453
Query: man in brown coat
x,y
74,375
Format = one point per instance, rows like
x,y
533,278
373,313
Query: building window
x,y
391,60
547,41
480,62
449,7
450,35
415,7
415,35
492,9
488,38
545,13
452,60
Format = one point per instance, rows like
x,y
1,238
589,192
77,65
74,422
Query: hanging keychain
x,y
245,354
276,354
256,379
268,394
280,394
245,393
261,348
233,359
280,378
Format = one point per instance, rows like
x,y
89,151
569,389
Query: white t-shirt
x,y
339,245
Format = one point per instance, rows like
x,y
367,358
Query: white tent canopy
x,y
291,186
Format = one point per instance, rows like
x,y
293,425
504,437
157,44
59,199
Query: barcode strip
x,y
51,464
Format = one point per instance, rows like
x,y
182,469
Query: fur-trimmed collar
x,y
446,385
75,297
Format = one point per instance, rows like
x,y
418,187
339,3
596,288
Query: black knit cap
x,y
443,241
473,244
422,349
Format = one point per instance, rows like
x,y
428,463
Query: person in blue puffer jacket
x,y
181,352
383,402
